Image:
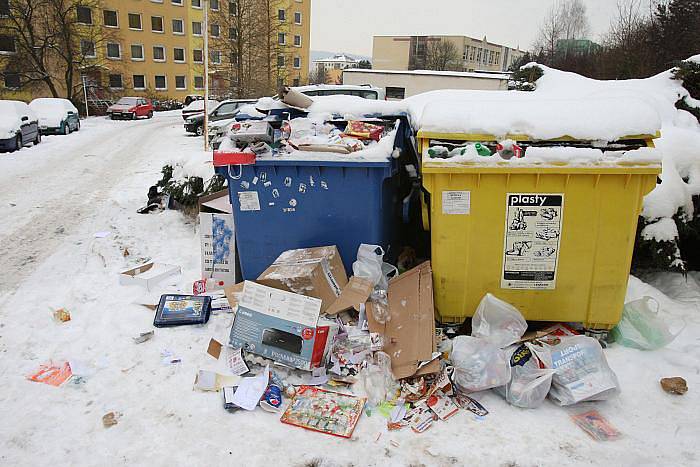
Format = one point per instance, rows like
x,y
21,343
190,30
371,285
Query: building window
x,y
137,52
12,81
395,93
233,33
215,30
139,81
232,8
281,38
295,82
84,15
178,26
196,28
4,8
297,40
157,23
176,2
297,62
197,3
111,19
179,54
158,53
115,81
281,14
114,50
7,44
87,48
197,56
199,82
297,17
161,82
280,61
180,82
233,58
215,57
214,5
135,21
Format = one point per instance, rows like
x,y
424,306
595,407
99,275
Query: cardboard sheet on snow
x,y
409,336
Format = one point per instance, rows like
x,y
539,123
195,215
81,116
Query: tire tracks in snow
x,y
94,173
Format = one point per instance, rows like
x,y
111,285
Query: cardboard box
x,y
148,274
314,272
409,336
353,295
282,326
218,241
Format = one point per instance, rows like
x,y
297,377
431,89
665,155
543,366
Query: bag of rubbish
x,y
530,375
378,380
641,327
581,371
498,321
369,263
478,364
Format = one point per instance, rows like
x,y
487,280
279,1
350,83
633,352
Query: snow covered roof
x,y
337,59
458,74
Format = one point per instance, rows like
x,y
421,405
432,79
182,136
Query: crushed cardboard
x,y
409,336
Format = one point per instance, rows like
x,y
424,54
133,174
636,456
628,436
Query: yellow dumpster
x,y
554,240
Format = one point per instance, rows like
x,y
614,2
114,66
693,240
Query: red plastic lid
x,y
223,158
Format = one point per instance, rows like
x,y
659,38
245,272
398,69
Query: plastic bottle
x,y
482,150
438,152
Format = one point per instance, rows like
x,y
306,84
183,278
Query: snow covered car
x,y
364,91
197,107
56,115
19,125
225,111
131,108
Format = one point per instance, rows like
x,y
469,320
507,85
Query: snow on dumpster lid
x,y
539,117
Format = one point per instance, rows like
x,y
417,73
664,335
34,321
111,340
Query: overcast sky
x,y
348,25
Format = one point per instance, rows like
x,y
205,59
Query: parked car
x,y
131,108
56,115
197,107
364,91
225,110
169,104
192,97
19,125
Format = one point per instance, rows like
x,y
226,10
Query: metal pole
x,y
206,75
87,111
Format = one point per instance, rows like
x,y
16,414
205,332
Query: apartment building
x,y
410,53
333,67
155,48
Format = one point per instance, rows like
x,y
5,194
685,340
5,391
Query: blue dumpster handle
x,y
240,172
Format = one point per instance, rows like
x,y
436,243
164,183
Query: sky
x,y
348,26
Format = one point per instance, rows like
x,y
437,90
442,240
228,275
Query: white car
x,y
365,91
19,125
56,115
197,107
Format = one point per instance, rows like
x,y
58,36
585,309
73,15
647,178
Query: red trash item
x,y
223,158
364,130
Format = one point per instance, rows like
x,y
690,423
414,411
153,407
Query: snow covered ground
x,y
56,196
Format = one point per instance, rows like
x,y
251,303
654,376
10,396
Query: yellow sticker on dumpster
x,y
531,245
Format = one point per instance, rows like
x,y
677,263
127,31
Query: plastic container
x,y
565,258
280,205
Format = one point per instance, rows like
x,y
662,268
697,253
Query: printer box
x,y
282,326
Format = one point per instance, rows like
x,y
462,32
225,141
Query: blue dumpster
x,y
280,205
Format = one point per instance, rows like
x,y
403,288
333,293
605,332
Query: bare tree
x,y
442,55
318,75
566,19
53,45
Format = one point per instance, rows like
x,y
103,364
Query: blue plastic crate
x,y
280,205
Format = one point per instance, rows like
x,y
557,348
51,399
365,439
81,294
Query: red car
x,y
131,108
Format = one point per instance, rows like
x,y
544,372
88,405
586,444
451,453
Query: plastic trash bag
x,y
378,380
641,327
369,263
581,371
478,364
530,375
498,321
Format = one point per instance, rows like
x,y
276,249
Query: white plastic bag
x,y
531,375
581,371
641,327
498,321
479,364
369,263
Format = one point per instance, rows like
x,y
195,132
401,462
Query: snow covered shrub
x,y
188,190
524,78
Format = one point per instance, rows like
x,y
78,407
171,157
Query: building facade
x,y
333,67
155,48
411,53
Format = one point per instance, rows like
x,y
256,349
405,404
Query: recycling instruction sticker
x,y
531,245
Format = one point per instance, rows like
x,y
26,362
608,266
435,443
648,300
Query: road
x,y
51,189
